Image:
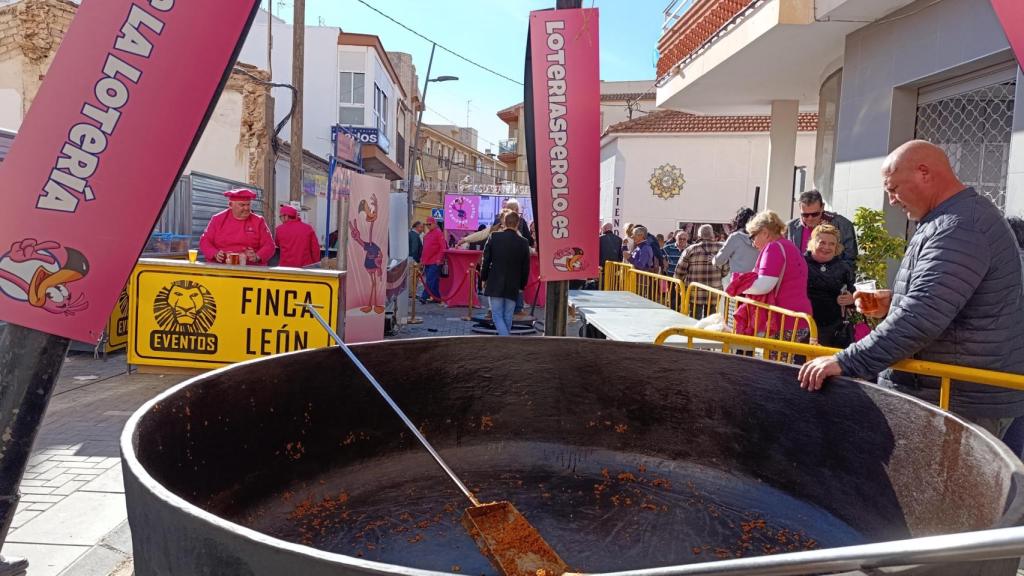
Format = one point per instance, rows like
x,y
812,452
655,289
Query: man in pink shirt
x,y
297,240
433,254
237,231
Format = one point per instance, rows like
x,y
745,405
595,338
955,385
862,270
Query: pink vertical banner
x,y
367,257
567,124
461,212
1011,15
110,131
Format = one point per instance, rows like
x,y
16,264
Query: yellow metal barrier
x,y
720,301
657,288
945,372
616,276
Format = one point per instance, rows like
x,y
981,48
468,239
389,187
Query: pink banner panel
x,y
461,212
367,255
114,123
567,124
1011,15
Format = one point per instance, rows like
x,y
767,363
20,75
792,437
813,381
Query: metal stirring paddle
x,y
501,532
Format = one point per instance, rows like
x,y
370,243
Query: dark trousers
x,y
431,282
1014,437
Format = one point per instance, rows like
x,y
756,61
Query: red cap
x,y
431,220
287,210
240,194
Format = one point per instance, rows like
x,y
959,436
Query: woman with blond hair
x,y
781,273
830,281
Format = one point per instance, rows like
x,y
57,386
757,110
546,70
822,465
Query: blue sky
x,y
493,33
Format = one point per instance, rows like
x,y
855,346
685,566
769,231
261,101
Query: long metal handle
x,y
412,427
963,547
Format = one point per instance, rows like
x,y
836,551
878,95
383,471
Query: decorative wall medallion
x,y
667,181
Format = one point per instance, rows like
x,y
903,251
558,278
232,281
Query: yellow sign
x,y
203,316
117,326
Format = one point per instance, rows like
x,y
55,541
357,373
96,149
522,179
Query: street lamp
x,y
414,157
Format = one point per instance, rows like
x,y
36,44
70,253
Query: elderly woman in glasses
x,y
781,272
830,281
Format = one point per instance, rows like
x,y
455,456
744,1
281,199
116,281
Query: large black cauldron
x,y
624,456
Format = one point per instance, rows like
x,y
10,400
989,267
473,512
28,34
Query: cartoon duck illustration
x,y
373,261
38,273
569,259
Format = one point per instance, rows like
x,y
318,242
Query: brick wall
x,y
31,30
254,137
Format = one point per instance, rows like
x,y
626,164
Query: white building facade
x,y
879,72
670,168
350,81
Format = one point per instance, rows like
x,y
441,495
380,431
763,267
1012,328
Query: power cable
x,y
291,111
441,46
454,123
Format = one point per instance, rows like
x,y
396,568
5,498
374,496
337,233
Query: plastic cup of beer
x,y
193,255
234,258
868,294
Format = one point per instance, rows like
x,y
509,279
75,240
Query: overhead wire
x,y
441,46
291,111
454,123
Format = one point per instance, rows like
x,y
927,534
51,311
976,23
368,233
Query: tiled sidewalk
x,y
71,520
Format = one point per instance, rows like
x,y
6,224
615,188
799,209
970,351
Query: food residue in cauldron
x,y
415,524
507,537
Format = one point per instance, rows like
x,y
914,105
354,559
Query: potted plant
x,y
876,247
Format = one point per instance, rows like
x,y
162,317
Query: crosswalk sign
x,y
437,213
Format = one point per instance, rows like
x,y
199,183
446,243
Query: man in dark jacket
x,y
610,245
416,241
524,231
505,268
957,298
812,213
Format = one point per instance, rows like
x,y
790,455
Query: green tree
x,y
875,246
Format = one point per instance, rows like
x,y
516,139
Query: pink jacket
x,y
231,235
433,248
744,315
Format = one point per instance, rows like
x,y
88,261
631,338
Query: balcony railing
x,y
674,11
689,24
507,146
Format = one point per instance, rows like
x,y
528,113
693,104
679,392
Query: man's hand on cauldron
x,y
813,374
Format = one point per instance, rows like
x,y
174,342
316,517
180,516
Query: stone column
x,y
782,156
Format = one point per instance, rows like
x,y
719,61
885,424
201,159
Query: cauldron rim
x,y
161,492
1014,506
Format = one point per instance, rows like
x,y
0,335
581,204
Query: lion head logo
x,y
122,302
185,306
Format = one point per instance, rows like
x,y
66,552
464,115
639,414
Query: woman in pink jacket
x,y
781,273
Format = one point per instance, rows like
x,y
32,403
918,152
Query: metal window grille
x,y
974,128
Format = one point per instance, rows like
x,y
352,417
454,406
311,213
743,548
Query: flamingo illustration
x,y
38,273
374,259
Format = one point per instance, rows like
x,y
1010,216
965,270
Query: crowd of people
x,y
805,265
958,297
505,268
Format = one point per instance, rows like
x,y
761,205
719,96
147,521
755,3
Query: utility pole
x,y
416,136
298,72
270,39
